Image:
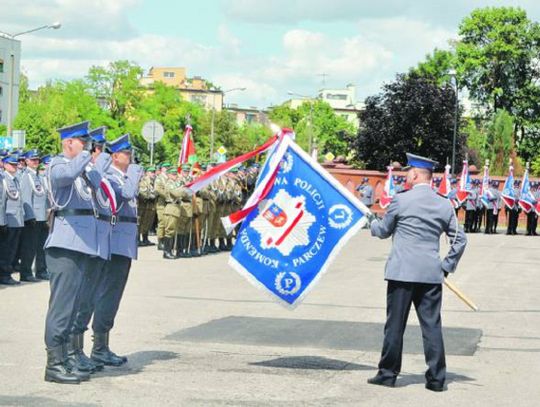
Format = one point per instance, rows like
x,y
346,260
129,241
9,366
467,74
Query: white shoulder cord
x,y
11,196
37,192
55,204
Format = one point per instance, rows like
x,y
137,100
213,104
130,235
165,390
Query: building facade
x,y
195,89
343,102
10,69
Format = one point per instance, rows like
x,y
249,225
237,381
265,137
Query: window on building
x,y
336,96
1,91
251,117
1,65
167,74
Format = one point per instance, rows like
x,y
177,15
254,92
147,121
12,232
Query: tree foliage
x,y
315,119
412,114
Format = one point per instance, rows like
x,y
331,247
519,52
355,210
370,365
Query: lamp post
x,y
310,134
453,74
214,117
54,26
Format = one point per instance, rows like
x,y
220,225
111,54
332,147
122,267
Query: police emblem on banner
x,y
288,241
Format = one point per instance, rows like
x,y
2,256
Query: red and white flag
x,y
444,186
188,147
464,183
389,189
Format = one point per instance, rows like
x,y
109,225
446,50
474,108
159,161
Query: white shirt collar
x,y
421,184
118,169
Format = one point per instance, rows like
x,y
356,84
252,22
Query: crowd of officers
x,y
186,224
481,213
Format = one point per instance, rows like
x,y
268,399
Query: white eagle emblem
x,y
283,222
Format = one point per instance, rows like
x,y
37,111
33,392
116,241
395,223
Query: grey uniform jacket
x,y
13,201
34,196
416,219
470,203
70,190
367,194
126,187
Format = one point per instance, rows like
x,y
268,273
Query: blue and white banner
x,y
290,238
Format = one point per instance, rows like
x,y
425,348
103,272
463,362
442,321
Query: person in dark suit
x,y
415,220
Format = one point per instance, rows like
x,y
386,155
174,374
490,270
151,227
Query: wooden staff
x,y
460,295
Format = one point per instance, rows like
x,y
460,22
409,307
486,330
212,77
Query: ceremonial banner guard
x,y
415,220
124,177
71,247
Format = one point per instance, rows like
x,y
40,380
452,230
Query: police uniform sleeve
x,y
458,242
64,173
103,163
131,182
384,228
26,197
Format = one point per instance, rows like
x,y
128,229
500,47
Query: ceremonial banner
x,y
300,220
486,196
508,193
445,187
187,152
389,189
464,183
527,201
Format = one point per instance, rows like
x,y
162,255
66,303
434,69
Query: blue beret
x,y
3,153
98,134
74,130
46,159
417,161
120,144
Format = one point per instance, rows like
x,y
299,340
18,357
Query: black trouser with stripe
x,y
9,244
109,293
66,268
27,247
427,300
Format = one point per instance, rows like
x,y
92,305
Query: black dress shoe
x,y
7,280
29,278
382,381
437,387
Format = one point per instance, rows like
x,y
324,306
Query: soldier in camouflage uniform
x,y
185,238
170,213
159,187
147,205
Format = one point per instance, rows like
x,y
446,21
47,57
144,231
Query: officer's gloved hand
x,y
371,217
445,274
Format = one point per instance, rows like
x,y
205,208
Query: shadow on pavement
x,y
136,363
312,362
322,334
408,379
23,401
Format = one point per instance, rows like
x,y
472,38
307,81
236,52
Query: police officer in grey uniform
x,y
3,220
93,275
71,247
124,177
34,196
416,219
366,192
42,231
14,213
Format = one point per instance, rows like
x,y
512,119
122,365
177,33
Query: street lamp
x,y
310,135
214,116
453,74
54,26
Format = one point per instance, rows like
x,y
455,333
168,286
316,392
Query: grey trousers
x,y
91,280
110,292
427,300
66,268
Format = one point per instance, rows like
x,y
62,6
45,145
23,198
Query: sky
x,y
269,47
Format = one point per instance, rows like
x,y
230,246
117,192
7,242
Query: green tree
x,y
437,65
412,114
315,119
497,57
118,86
55,105
500,141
